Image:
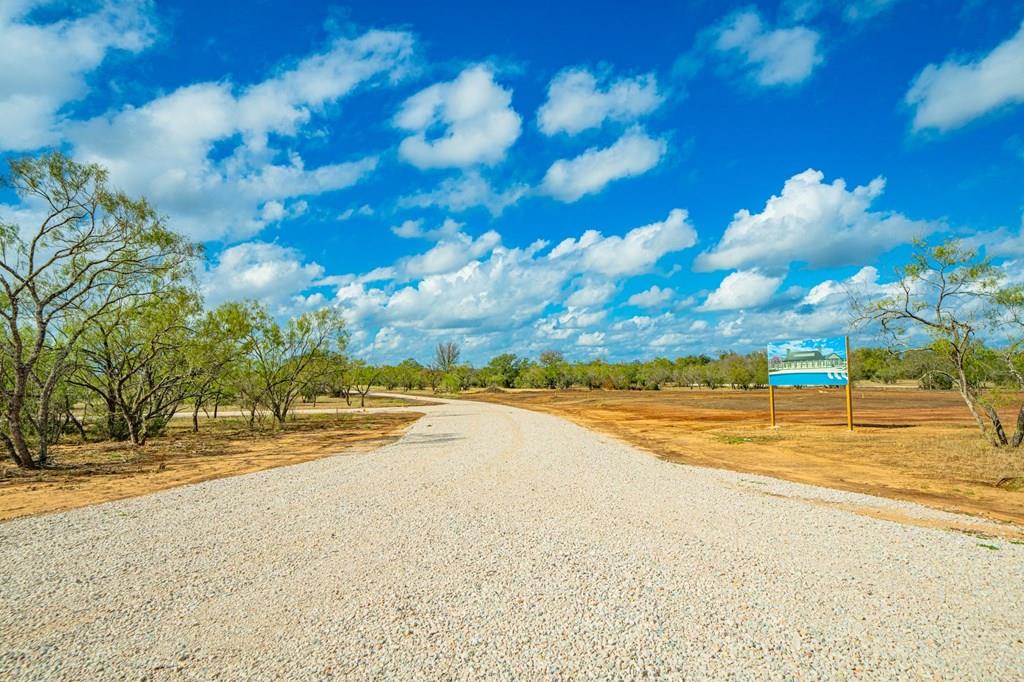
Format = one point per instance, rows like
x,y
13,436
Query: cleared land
x,y
497,543
908,444
90,473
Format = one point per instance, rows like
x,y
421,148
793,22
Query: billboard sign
x,y
810,362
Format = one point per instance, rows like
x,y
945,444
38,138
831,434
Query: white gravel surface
x,y
494,542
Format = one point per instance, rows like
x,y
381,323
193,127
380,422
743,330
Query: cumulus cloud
x,y
824,310
349,213
413,229
467,191
43,66
449,254
502,291
577,102
668,340
654,297
533,294
591,293
864,281
814,222
633,154
172,149
634,253
1000,242
479,124
742,289
262,271
951,94
852,11
779,56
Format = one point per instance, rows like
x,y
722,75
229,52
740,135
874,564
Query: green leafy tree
x,y
221,338
410,374
135,359
502,370
946,293
363,378
94,249
284,358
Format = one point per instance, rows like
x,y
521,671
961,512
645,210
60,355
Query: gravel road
x,y
494,542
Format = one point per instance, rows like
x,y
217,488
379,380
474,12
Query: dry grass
x,y
83,474
908,444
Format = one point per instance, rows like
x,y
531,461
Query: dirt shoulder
x,y
908,444
84,474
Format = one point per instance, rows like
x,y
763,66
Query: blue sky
x,y
658,180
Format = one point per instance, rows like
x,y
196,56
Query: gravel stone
x,y
492,542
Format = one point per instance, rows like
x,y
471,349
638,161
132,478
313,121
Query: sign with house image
x,y
810,362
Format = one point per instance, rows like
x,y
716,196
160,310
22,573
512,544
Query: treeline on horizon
x,y
550,370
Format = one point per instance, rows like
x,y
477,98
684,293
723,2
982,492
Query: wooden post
x,y
771,402
849,388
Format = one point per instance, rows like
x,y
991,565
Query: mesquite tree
x,y
220,339
90,249
285,358
953,298
135,359
363,378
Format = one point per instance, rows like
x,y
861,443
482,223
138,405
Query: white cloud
x,y
505,290
781,56
468,191
951,94
651,298
276,211
742,289
348,213
591,293
862,10
261,271
165,149
852,11
413,229
43,66
528,296
560,324
576,101
824,310
590,339
449,254
668,340
999,242
815,222
865,279
634,253
633,154
476,114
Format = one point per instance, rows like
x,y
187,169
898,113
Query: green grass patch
x,y
730,439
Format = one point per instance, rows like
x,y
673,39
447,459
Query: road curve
x,y
496,542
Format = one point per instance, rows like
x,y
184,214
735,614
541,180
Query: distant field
x,y
908,444
90,473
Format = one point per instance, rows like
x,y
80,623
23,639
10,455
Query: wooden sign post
x,y
849,388
771,403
